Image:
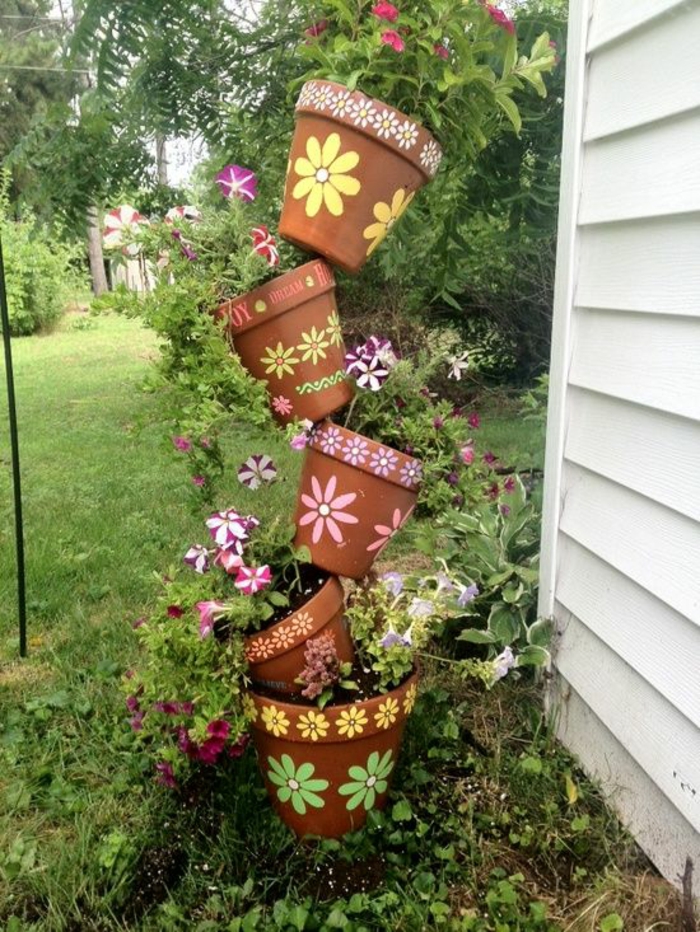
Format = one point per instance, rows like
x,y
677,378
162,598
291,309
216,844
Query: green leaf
x,y
503,624
402,811
476,637
510,108
613,922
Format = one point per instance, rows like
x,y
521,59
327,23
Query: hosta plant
x,y
452,65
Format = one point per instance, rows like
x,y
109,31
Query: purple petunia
x,y
198,558
256,470
467,594
393,582
229,529
235,181
371,362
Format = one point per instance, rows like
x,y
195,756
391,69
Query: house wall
x,y
621,528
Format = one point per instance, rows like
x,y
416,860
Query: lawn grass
x,y
480,828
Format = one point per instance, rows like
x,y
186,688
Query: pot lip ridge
x,y
336,713
404,459
324,281
330,591
425,154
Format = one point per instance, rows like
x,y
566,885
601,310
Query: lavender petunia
x,y
467,594
393,582
393,638
421,608
502,664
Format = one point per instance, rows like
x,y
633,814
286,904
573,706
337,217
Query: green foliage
x,y
496,548
462,97
42,272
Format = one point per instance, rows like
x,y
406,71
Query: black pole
x,y
14,441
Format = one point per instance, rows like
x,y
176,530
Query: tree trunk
x,y
161,160
97,265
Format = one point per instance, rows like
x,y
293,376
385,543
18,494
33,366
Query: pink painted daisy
x,y
355,451
282,405
251,579
383,461
412,473
326,510
330,440
256,470
235,181
386,532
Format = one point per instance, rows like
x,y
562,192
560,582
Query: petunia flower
x,y
256,470
313,32
210,751
326,510
444,582
467,454
229,560
132,704
208,614
385,11
238,747
137,721
392,638
301,441
467,594
421,608
509,485
393,582
474,420
198,558
252,579
264,245
185,247
219,729
229,529
392,38
489,458
166,776
502,664
184,212
235,181
441,51
500,18
372,374
199,481
182,444
457,365
174,611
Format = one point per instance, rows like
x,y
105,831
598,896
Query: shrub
x,y
40,273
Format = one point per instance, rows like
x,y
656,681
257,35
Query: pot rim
x,y
316,441
294,711
425,154
332,587
324,282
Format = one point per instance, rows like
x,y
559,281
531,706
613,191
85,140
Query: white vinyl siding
x,y
621,528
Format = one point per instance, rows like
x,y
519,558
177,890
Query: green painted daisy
x,y
295,783
367,782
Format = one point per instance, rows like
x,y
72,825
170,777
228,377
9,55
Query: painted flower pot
x,y
325,770
354,495
276,656
354,166
287,333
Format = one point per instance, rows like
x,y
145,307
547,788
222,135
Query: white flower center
x,y
371,781
293,785
383,461
322,175
324,510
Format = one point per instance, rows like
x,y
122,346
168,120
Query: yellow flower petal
x,y
331,147
345,184
303,187
375,229
333,200
315,199
313,150
343,163
397,202
405,204
382,212
304,167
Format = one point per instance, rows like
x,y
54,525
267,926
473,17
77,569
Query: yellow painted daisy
x,y
351,722
387,713
386,216
324,176
313,725
314,345
279,360
409,700
275,720
335,334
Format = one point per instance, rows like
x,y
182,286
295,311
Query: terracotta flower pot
x,y
276,656
354,166
354,495
287,333
325,770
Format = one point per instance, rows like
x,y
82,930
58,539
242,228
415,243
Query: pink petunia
x,y
256,470
208,614
326,510
235,181
252,579
182,444
392,38
385,11
441,51
502,19
229,529
166,776
238,747
474,420
229,560
198,558
467,454
489,458
199,481
317,29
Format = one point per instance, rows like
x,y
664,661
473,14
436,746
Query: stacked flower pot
x,y
354,167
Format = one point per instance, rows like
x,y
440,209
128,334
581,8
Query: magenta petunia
x,y
182,444
210,751
392,38
317,29
230,529
501,18
467,454
199,481
509,485
385,11
166,775
252,579
238,747
235,181
208,614
198,558
489,458
219,729
256,470
441,51
174,611
474,420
